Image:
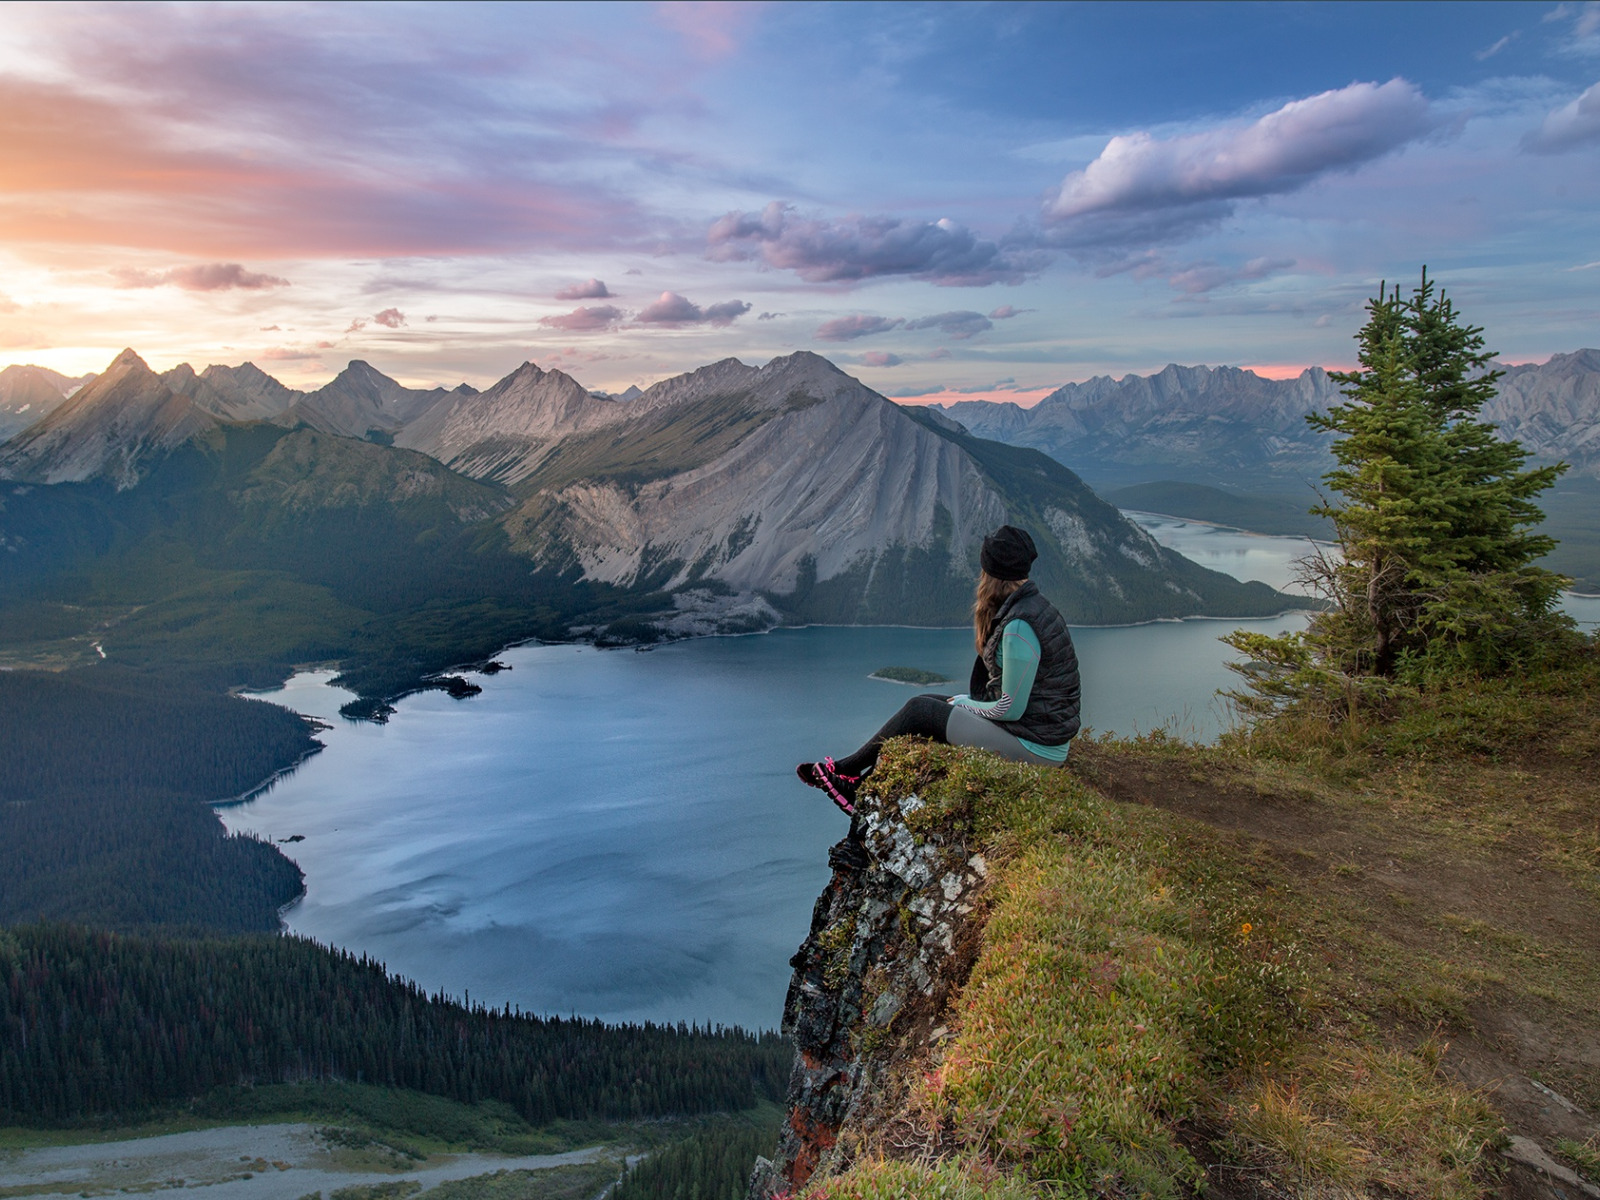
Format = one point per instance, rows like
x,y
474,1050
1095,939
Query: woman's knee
x,y
923,716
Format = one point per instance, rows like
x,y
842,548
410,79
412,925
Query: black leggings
x,y
933,716
921,716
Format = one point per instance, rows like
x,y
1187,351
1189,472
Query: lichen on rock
x,y
893,938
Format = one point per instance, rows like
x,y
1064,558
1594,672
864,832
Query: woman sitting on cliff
x,y
1023,697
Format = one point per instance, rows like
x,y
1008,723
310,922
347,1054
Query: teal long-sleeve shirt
x,y
1019,663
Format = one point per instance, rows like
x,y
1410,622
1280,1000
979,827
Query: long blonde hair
x,y
990,595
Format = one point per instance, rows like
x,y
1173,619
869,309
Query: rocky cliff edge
x,y
1131,977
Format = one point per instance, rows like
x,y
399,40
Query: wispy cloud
x,y
1568,127
959,325
1489,52
852,249
1585,33
880,358
1144,189
1198,278
198,277
847,329
673,309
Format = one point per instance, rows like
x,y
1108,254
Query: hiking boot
x,y
841,788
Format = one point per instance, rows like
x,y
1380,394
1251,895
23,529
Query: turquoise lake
x,y
619,834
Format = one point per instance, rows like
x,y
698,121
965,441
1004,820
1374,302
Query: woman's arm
x,y
1019,663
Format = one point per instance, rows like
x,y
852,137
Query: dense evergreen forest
x,y
712,1165
104,778
99,1024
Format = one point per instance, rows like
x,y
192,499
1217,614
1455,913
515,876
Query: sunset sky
x,y
946,200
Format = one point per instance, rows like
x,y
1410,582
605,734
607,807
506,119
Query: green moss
x,y
836,941
954,1179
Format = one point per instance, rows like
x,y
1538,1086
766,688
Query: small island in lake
x,y
908,675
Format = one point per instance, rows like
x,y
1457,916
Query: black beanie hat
x,y
1007,553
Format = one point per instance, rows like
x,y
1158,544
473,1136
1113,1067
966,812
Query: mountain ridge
x,y
1230,426
110,427
735,496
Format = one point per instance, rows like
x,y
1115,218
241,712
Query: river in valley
x,y
621,835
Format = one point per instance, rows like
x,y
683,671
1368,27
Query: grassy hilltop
x,y
1351,962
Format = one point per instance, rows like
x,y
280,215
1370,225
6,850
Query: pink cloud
x,y
247,132
589,289
391,318
581,320
880,358
672,309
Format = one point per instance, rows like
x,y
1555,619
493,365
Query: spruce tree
x,y
1435,576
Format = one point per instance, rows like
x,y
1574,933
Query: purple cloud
x,y
390,318
959,325
880,358
1005,312
198,277
582,320
851,249
1569,127
673,309
589,289
847,329
1147,189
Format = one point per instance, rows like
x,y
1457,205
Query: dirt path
x,y
239,1162
1486,910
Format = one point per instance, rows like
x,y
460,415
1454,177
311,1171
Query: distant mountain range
x,y
732,497
28,393
1231,427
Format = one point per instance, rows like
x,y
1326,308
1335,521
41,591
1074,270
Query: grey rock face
x,y
243,393
360,402
1553,409
829,474
893,938
505,432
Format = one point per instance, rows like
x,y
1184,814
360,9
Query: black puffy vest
x,y
1051,718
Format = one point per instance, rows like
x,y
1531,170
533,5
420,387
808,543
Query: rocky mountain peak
x,y
721,378
113,428
128,360
502,433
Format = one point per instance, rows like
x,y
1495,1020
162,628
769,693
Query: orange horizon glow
x,y
1285,370
1025,398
